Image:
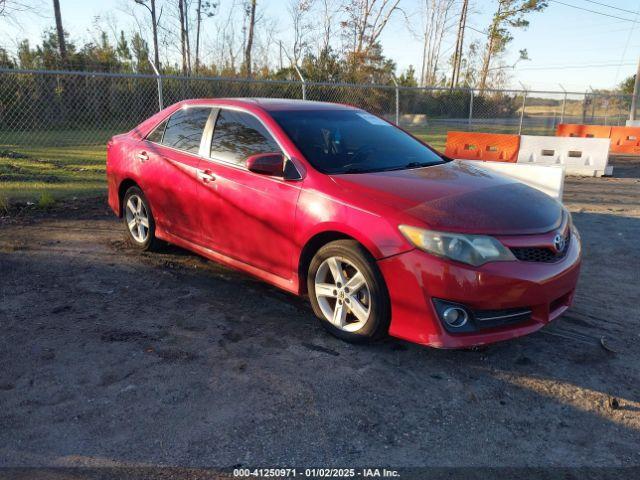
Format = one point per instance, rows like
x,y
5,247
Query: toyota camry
x,y
385,235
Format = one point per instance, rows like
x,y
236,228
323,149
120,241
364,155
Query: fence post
x,y
564,103
159,80
302,80
621,110
524,104
393,77
470,108
634,99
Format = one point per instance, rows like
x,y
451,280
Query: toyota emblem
x,y
558,243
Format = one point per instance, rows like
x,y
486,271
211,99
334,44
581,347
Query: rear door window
x,y
185,128
238,135
157,133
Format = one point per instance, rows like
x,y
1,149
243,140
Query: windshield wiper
x,y
383,169
406,166
417,164
356,170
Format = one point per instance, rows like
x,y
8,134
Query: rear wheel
x,y
347,292
139,220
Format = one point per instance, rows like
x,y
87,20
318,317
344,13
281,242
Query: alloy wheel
x,y
343,294
137,218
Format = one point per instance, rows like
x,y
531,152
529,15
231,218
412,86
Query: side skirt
x,y
283,283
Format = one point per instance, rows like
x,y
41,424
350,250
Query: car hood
x,y
457,197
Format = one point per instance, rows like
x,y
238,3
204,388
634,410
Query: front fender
x,y
318,213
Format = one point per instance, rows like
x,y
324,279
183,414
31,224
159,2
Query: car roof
x,y
271,104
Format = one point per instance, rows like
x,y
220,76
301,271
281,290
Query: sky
x,y
566,46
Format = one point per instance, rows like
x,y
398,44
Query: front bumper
x,y
415,278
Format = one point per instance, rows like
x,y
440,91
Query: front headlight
x,y
572,227
472,249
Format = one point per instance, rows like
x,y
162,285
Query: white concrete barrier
x,y
580,156
546,178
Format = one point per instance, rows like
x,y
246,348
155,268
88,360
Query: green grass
x,y
70,137
33,170
46,201
4,204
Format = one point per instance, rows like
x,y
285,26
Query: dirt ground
x,y
110,357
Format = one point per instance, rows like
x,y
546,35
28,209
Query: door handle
x,y
142,156
207,176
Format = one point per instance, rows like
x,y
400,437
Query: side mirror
x,y
266,164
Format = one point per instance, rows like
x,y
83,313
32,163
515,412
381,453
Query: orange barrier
x,y
586,131
625,140
482,146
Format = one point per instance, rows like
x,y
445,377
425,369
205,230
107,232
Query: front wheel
x,y
348,293
139,220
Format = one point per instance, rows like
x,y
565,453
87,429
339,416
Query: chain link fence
x,y
73,109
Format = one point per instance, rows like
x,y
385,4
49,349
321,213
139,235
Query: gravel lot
x,y
109,357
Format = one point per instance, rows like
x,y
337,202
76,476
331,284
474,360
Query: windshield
x,y
352,141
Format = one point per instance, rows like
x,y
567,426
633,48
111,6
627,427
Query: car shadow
x,y
110,355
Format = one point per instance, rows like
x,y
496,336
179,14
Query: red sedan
x,y
383,233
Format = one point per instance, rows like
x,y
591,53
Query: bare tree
x,y
267,30
436,22
186,34
470,63
251,14
62,46
155,19
366,20
227,44
198,24
298,11
329,10
183,36
457,55
510,14
207,9
9,9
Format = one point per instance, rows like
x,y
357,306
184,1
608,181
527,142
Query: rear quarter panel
x,y
117,169
119,166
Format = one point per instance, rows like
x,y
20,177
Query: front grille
x,y
541,254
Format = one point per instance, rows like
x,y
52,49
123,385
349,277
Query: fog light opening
x,y
455,317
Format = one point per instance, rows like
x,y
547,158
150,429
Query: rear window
x,y
157,133
185,128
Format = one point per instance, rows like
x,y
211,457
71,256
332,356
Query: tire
x,y
325,292
142,235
